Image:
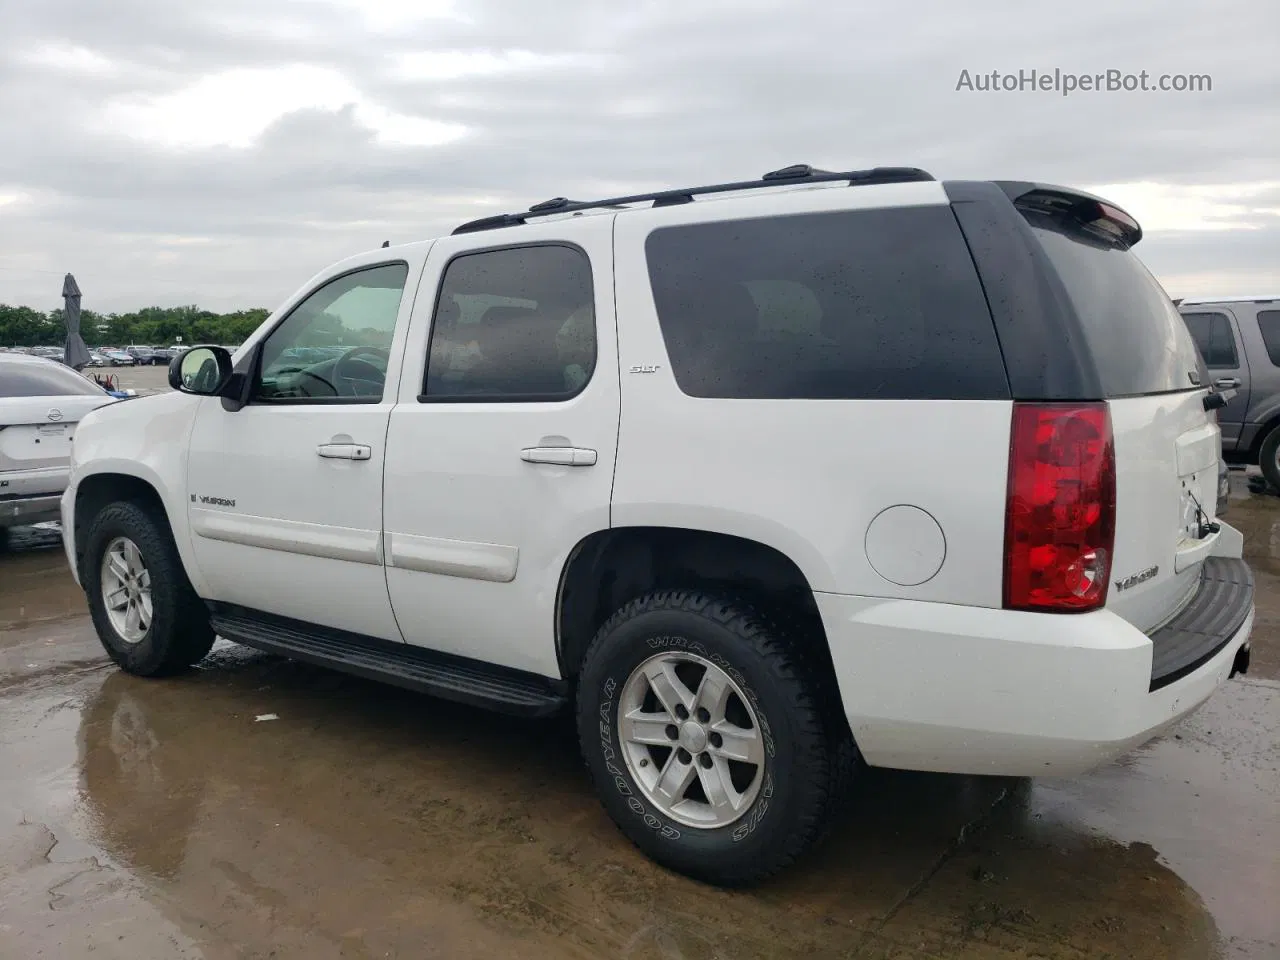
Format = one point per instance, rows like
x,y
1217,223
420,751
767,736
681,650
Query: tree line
x,y
153,326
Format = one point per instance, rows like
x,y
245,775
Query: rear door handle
x,y
565,456
344,451
1227,383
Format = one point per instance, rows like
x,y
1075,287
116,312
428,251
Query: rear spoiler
x,y
1099,216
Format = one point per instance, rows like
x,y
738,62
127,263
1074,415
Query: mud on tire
x,y
179,634
799,777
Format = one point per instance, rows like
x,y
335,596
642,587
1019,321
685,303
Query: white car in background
x,y
41,402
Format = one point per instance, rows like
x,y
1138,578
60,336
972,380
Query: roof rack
x,y
797,173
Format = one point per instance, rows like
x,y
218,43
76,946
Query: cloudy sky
x,y
219,152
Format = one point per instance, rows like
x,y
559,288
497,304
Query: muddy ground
x,y
161,819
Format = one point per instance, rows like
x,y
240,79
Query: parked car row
x,y
133,355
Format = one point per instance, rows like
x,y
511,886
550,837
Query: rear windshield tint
x,y
881,304
1133,331
18,379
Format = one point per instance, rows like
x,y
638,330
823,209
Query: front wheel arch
x,y
99,489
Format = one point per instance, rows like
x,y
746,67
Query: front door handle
x,y
344,451
1227,383
565,456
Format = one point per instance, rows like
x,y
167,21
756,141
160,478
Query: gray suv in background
x,y
1239,339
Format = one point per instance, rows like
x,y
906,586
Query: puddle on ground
x,y
150,819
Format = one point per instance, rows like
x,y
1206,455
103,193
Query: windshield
x,y
1134,332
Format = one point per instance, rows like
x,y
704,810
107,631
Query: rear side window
x,y
512,325
1269,327
1132,330
882,304
1212,334
39,380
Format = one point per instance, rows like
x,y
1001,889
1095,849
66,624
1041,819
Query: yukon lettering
x,y
217,501
1141,576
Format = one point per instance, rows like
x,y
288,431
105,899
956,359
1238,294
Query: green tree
x,y
24,327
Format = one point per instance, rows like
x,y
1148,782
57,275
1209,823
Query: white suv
x,y
757,478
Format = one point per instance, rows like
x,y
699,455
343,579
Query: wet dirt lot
x,y
160,819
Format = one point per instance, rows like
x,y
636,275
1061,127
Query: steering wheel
x,y
354,371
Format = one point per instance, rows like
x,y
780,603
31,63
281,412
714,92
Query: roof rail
x,y
797,173
1201,301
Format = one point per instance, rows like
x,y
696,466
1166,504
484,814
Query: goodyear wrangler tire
x,y
704,737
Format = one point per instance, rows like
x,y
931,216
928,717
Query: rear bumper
x,y
930,686
1204,626
26,510
31,496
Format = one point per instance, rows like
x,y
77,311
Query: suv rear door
x,y
500,452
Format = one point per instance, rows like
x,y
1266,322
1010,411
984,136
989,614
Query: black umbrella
x,y
75,354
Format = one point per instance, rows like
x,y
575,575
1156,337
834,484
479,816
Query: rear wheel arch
x,y
610,568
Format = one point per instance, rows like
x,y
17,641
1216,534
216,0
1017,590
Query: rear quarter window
x,y
874,304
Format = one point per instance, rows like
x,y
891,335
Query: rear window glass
x,y
1269,327
858,304
1212,334
18,379
1132,329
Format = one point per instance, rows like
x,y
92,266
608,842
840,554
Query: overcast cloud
x,y
221,151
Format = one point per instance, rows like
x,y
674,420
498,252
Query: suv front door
x,y
500,453
285,501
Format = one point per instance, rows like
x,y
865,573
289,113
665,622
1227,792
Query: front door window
x,y
333,346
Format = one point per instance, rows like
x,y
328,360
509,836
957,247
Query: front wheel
x,y
146,613
704,736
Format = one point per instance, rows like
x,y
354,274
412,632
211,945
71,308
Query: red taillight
x,y
1060,515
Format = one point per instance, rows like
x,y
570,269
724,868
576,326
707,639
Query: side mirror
x,y
202,371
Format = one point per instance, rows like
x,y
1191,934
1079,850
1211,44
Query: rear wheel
x,y
147,615
703,734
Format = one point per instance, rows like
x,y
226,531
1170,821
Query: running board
x,y
400,664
